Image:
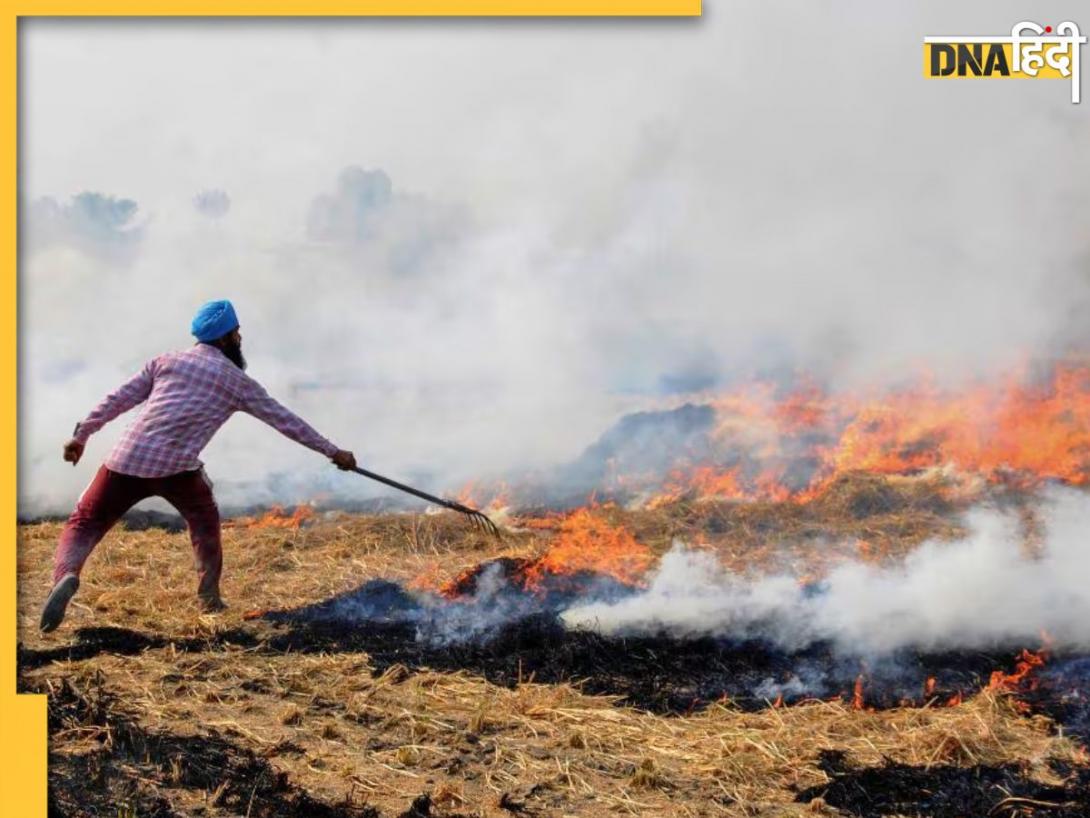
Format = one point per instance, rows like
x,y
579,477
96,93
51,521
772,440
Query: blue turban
x,y
214,320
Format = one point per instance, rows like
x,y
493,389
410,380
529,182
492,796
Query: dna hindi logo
x,y
1030,52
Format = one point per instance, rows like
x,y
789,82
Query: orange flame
x,y
550,522
429,579
585,542
769,446
588,542
275,517
857,693
484,497
1021,679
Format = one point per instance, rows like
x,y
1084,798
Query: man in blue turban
x,y
187,397
214,320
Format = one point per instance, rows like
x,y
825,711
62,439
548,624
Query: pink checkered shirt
x,y
189,395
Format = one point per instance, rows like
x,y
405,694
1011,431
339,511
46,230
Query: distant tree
x,y
95,223
347,215
213,203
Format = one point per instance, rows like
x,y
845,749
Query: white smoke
x,y
983,591
463,247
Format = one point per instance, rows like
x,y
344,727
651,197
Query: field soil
x,y
158,710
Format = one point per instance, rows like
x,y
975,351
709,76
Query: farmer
x,y
189,395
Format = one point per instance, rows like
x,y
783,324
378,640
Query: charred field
x,y
407,665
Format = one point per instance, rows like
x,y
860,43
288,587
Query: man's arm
x,y
131,393
259,403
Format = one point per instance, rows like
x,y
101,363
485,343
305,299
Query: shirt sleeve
x,y
259,403
131,393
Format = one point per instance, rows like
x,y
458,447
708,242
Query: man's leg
x,y
191,493
99,507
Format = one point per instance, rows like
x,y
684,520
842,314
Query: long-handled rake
x,y
478,518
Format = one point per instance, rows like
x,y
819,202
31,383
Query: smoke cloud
x,y
983,591
464,248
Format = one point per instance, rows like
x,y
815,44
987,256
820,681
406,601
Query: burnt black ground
x,y
141,768
1063,692
522,637
657,673
502,631
947,792
91,642
138,768
145,769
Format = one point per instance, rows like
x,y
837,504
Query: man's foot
x,y
212,604
57,602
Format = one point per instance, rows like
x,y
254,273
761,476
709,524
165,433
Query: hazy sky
x,y
465,246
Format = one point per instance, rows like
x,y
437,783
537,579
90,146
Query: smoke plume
x,y
983,591
461,249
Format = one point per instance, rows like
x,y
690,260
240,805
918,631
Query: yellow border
x,y
23,737
371,8
23,718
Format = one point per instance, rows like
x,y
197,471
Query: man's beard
x,y
234,354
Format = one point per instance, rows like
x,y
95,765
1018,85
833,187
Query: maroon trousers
x,y
112,494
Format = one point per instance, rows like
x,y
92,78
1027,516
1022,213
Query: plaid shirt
x,y
189,395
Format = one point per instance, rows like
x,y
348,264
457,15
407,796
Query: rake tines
x,y
478,518
486,524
